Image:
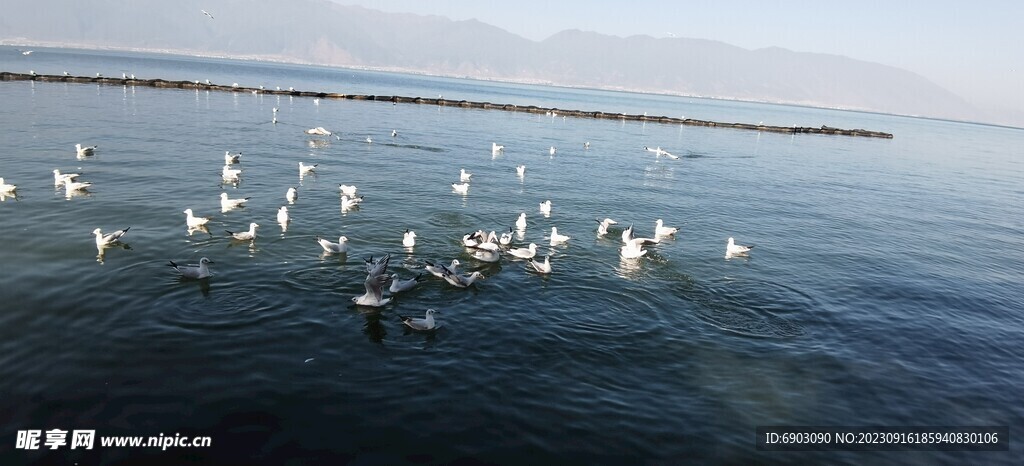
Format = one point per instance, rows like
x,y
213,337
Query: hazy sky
x,y
975,49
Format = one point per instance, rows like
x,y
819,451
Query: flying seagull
x,y
207,13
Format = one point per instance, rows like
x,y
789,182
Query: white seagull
x,y
394,132
291,195
545,208
6,188
627,236
506,238
228,204
193,271
661,230
398,286
425,324
409,239
195,222
282,216
340,247
496,148
602,228
521,222
84,151
71,186
374,284
464,175
207,14
557,238
439,270
733,249
368,140
230,174
318,131
245,235
60,178
633,249
230,158
542,267
552,150
524,253
109,239
462,281
461,188
306,169
658,151
347,190
349,203
521,170
487,255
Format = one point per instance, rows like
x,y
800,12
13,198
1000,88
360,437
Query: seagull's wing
x,y
375,284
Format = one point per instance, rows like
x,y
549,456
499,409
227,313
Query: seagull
x,y
487,255
347,190
542,267
602,228
627,236
552,150
306,169
67,74
440,269
521,222
464,175
340,247
193,271
318,131
84,151
545,208
409,240
506,238
425,324
376,278
228,204
462,281
394,132
349,203
316,101
586,145
496,148
733,249
521,170
6,188
207,14
103,241
661,230
282,216
71,186
245,235
194,222
633,249
557,238
368,140
524,253
230,158
230,174
658,151
461,188
27,52
398,286
60,178
291,195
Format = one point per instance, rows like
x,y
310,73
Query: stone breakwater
x,y
160,83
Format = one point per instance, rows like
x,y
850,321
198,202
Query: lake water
x,y
885,288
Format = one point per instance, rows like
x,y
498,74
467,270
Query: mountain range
x,y
326,33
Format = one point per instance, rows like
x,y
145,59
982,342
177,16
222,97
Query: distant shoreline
x,y
293,61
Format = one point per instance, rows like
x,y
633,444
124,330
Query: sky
x,y
974,49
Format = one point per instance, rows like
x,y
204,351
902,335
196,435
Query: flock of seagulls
x,y
380,287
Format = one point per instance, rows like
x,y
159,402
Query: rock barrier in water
x,y
8,76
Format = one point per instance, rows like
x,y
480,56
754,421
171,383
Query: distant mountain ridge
x,y
323,32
